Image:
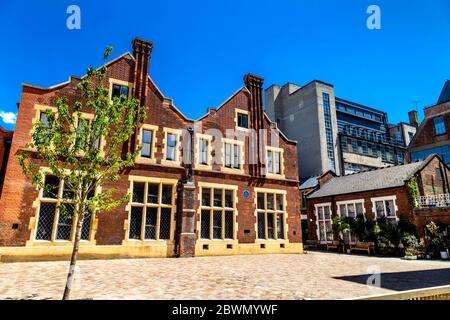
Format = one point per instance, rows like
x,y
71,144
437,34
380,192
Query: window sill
x,y
141,160
56,243
171,163
231,170
133,242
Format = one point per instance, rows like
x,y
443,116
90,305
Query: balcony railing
x,y
440,200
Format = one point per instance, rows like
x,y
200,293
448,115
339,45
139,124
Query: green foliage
x,y
412,245
436,239
365,229
69,146
413,191
395,232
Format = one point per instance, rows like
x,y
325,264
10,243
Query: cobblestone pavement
x,y
315,275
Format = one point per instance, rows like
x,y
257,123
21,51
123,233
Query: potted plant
x,y
412,245
443,250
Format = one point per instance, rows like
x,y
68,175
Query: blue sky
x,y
202,49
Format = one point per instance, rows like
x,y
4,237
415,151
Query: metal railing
x,y
440,200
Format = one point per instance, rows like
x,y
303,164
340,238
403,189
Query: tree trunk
x,y
73,260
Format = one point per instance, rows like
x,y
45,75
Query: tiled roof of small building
x,y
389,177
309,183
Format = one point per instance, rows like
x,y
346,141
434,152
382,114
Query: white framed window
x,y
385,207
217,212
151,209
271,214
324,222
274,161
55,213
350,209
203,145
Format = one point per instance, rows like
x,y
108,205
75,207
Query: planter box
x,y
409,258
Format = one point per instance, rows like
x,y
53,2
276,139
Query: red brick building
x,y
380,193
433,134
228,202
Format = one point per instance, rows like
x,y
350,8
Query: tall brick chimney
x,y
413,118
254,84
142,49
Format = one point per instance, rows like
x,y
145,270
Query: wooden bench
x,y
334,245
310,244
363,246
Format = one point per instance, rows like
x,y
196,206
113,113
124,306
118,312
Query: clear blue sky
x,y
203,48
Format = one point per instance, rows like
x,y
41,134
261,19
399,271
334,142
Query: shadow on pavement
x,y
407,280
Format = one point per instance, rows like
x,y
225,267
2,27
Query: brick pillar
x,y
187,226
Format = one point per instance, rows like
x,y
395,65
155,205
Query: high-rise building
x,y
333,133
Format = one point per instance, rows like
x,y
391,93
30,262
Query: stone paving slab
x,y
316,275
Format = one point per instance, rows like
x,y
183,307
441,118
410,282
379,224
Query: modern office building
x,y
333,133
433,135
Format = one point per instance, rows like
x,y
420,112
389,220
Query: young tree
x,y
71,147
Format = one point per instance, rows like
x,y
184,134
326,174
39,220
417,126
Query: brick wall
x,y
5,145
426,137
434,178
402,203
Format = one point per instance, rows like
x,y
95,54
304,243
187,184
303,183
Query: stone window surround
x,y
241,111
113,81
281,152
198,165
154,129
241,156
212,186
177,161
285,224
35,219
146,180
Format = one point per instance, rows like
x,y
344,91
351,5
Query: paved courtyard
x,y
315,275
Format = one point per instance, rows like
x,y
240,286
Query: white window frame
x,y
316,212
346,204
272,174
384,199
198,138
233,143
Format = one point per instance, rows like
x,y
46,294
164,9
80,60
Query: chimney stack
x,y
142,49
254,84
413,118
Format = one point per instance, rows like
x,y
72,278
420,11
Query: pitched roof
x,y
389,177
309,183
445,93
